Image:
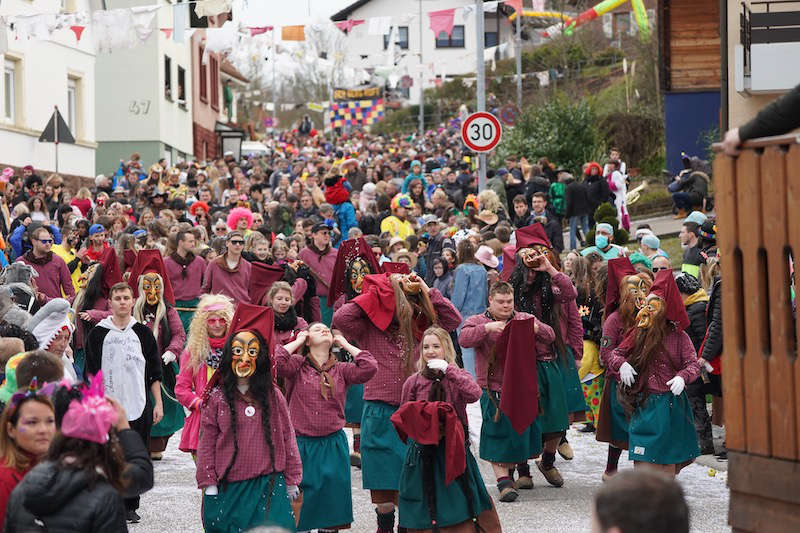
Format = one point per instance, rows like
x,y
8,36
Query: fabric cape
x,y
150,261
377,299
516,347
425,423
262,276
396,268
349,250
526,237
111,274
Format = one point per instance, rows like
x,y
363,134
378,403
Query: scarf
x,y
222,262
183,262
326,382
217,345
38,260
317,251
437,392
286,321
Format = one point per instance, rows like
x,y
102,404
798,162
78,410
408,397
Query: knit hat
x,y
638,258
651,241
666,288
50,320
697,217
150,261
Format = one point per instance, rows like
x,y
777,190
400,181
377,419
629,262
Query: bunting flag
x,y
78,30
259,30
442,21
347,25
167,32
293,33
212,7
356,112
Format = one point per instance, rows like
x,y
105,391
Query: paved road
x,y
174,504
663,225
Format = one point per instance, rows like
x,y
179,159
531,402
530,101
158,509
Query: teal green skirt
x,y
452,505
242,505
662,431
186,316
174,415
382,451
615,418
500,443
354,404
554,417
325,312
327,499
576,401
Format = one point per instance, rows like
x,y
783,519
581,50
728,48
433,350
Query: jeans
x,y
467,357
583,220
686,201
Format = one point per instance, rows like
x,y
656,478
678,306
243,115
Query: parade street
x,y
174,503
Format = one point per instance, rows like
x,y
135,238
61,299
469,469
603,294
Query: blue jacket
x,y
470,289
346,217
20,245
407,182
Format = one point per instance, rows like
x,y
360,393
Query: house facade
x,y
144,101
37,76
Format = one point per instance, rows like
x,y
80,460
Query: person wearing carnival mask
x,y
354,261
503,445
204,344
387,319
154,307
655,362
542,290
315,386
429,500
248,462
625,295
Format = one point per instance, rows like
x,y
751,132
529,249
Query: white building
x,y
144,96
442,56
38,75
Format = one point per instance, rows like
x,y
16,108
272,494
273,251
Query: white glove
x,y
293,491
168,357
437,364
626,374
212,490
676,385
707,366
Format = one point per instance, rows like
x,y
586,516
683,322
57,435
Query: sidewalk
x,y
661,226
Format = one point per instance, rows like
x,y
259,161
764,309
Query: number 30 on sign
x,y
481,132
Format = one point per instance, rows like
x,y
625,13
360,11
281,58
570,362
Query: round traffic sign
x,y
481,132
509,114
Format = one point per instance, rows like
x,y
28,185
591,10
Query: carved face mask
x,y
83,279
410,284
651,311
151,285
635,290
532,257
245,347
358,269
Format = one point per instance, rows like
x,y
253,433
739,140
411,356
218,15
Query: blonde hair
x,y
84,193
447,345
253,239
161,308
197,339
488,200
276,288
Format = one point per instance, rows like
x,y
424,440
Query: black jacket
x,y
58,499
713,342
536,184
597,192
697,323
781,116
576,199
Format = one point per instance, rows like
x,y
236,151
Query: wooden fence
x,y
758,220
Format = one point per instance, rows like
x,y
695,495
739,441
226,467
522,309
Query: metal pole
x,y
421,78
518,42
274,79
55,134
480,84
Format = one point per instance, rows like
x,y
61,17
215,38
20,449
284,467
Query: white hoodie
x,y
124,367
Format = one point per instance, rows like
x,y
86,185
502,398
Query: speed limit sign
x,y
481,132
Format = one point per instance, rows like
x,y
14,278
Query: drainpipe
x,y
723,81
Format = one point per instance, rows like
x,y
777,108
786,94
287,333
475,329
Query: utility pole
x,y
480,84
518,43
421,78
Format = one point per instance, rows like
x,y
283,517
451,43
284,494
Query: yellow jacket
x,y
68,256
591,360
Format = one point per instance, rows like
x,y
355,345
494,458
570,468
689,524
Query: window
x,y
72,103
401,38
182,87
213,64
622,23
454,40
10,91
203,77
168,77
490,39
168,154
181,156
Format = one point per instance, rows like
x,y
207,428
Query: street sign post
x,y
481,132
56,131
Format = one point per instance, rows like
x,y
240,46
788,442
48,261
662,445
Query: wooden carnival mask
x,y
152,288
245,347
411,284
532,256
634,291
358,269
651,312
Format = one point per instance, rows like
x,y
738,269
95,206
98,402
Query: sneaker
x,y
508,494
355,460
723,455
565,451
132,517
524,482
588,427
156,456
552,475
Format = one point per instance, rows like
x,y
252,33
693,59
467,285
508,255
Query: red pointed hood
x,y
111,274
532,235
348,251
665,287
396,268
377,299
253,318
262,277
618,268
150,261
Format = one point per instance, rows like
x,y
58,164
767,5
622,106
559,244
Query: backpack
x,y
556,194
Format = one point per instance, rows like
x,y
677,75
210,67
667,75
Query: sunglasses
x,y
656,269
238,243
46,241
215,321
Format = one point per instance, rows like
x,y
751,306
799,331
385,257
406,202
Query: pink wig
x,y
237,213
